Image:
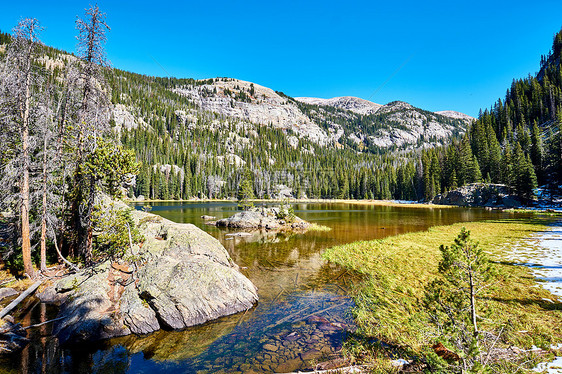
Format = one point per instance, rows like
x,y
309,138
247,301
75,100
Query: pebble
x,y
270,347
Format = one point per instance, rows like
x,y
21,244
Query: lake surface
x,y
303,315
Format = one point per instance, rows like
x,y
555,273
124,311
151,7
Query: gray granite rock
x,y
7,292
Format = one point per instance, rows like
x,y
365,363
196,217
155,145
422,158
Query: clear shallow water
x,y
302,316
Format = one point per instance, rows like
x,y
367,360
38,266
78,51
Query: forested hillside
x,y
516,142
198,138
186,152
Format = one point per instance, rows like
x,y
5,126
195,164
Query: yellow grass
x,y
396,271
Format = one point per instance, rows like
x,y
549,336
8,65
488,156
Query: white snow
x,y
546,259
554,367
546,262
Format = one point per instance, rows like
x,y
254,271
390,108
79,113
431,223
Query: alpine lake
x,y
303,316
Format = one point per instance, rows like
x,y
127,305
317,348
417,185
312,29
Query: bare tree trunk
x,y
472,302
43,266
89,232
61,257
26,243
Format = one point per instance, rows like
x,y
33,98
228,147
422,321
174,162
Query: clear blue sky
x,y
438,55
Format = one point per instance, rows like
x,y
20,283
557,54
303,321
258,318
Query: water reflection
x,y
303,312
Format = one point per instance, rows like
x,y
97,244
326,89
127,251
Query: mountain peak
x,y
456,115
354,104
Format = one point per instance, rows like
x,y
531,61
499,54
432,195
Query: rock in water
x,y
183,277
263,218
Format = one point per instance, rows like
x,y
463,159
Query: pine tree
x,y
452,300
525,178
537,150
246,191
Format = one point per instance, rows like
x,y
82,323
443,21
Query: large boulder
x,y
479,195
179,277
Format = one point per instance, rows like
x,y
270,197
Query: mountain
x,y
453,114
339,122
253,103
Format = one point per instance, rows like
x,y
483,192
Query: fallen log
x,y
42,323
20,298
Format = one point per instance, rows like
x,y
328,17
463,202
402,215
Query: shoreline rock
x,y
179,277
479,195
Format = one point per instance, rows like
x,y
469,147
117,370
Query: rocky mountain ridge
x,y
335,122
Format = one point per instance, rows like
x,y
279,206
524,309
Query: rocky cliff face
x,y
328,122
407,125
338,122
253,103
179,277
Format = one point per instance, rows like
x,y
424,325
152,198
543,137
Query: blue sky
x,y
437,55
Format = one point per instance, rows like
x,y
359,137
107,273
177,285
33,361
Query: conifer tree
x,y
246,191
452,299
537,150
92,119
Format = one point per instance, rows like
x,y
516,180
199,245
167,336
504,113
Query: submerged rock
x,y
12,337
263,218
179,277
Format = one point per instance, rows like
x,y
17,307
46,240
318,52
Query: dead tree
x,y
19,106
93,118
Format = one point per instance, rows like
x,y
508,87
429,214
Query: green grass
x,y
396,271
317,227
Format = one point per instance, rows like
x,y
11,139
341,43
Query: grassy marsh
x,y
396,270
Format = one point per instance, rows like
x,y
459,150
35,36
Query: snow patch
x,y
546,263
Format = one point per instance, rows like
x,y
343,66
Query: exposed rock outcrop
x,y
479,194
179,277
264,218
355,104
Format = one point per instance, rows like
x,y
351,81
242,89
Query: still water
x,y
303,315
